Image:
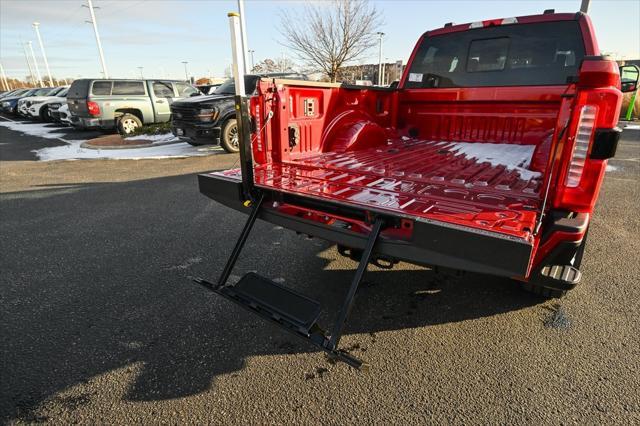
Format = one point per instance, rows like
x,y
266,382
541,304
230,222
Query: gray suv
x,y
124,104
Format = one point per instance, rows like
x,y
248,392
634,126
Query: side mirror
x,y
629,78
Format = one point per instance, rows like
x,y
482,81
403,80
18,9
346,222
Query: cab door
x,y
162,96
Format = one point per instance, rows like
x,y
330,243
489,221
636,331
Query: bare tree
x,y
331,34
269,65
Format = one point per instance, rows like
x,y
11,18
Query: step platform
x,y
283,305
290,310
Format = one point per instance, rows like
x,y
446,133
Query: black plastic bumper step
x,y
280,303
561,277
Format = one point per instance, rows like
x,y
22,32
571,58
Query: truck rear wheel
x,y
230,136
128,123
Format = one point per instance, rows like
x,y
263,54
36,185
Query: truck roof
x,y
590,43
528,19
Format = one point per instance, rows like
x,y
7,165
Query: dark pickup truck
x,y
488,157
212,119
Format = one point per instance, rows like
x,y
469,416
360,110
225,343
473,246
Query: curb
x,y
88,145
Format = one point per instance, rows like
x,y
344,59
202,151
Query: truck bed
x,y
481,185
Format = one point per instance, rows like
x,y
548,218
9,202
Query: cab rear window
x,y
506,55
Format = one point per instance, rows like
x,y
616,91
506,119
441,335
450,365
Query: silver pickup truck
x,y
124,104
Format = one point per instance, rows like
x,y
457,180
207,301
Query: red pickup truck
x,y
488,157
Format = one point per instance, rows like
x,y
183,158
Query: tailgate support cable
x,y
546,191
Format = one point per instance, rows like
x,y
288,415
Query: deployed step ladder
x,y
290,310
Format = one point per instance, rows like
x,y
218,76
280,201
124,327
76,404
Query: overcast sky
x,y
159,34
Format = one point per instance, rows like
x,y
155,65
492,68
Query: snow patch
x,y
41,130
513,157
632,126
166,137
611,168
73,151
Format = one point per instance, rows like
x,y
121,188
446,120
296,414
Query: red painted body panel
x,y
399,151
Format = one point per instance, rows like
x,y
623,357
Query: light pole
x,y
95,30
26,57
5,83
36,26
141,76
384,71
243,34
186,73
251,52
33,58
584,6
380,34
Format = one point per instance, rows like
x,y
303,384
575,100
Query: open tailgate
x,y
429,242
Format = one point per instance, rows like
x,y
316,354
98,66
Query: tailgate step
x,y
280,303
290,310
561,277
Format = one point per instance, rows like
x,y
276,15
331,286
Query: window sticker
x,y
416,77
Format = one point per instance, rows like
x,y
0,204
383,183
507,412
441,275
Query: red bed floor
x,y
422,179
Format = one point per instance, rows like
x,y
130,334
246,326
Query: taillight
x,y
586,125
93,108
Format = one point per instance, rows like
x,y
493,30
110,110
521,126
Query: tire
x,y
229,137
544,292
44,114
127,124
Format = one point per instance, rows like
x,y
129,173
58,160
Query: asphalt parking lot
x,y
23,150
100,323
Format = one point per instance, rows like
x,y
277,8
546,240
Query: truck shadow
x,y
387,301
109,288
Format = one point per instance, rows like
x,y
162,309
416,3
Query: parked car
x,y
11,93
38,106
211,119
488,157
25,102
9,105
53,109
124,104
63,115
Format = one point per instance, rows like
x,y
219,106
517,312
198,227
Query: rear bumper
x,y
94,123
431,243
204,134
